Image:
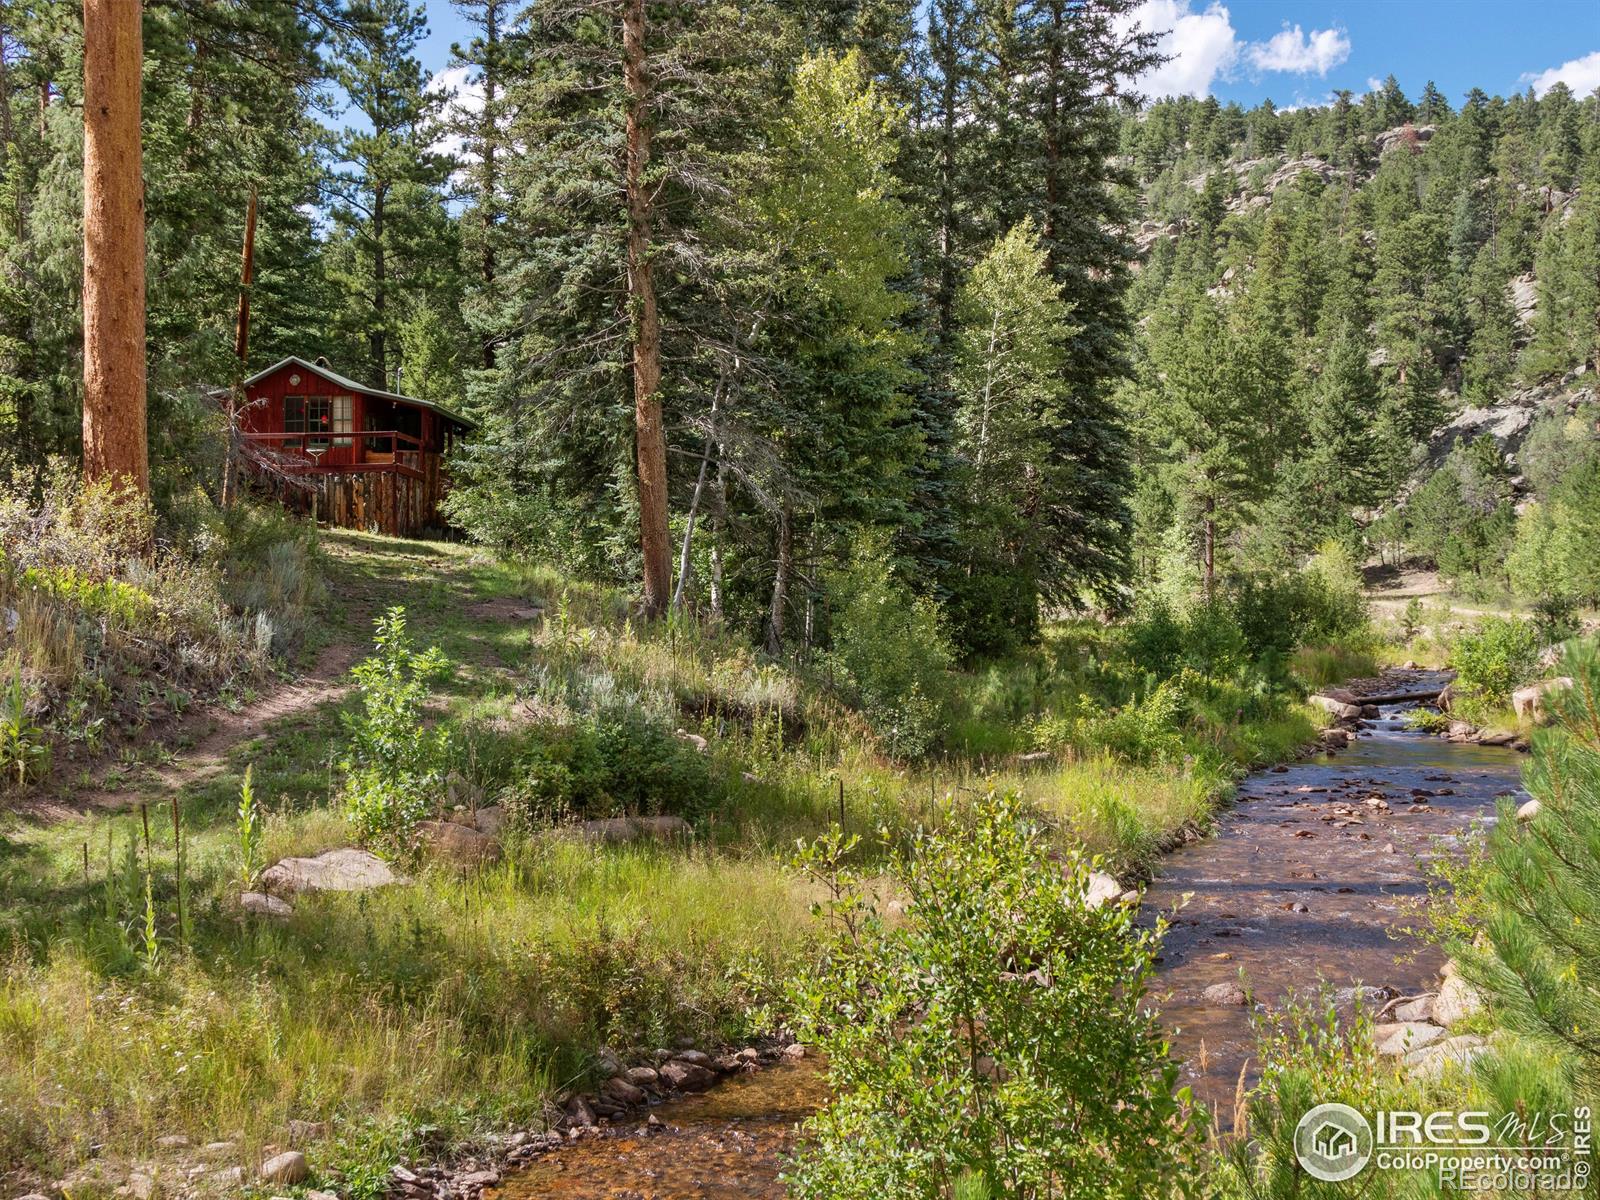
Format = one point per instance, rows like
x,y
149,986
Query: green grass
x,y
462,1004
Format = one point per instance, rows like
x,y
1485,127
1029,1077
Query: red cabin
x,y
372,458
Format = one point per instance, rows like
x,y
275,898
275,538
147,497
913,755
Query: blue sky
x,y
1299,51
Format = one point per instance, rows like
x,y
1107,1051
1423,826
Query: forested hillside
x,y
1341,304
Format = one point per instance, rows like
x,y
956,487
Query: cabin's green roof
x,y
345,381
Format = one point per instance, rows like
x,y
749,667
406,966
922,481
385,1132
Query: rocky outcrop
x,y
1410,137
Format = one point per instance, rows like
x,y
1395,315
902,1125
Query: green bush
x,y
394,766
618,760
888,653
1494,659
957,1038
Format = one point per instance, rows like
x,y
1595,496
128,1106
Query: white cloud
x,y
463,97
1292,50
1198,46
1582,75
1202,45
1374,84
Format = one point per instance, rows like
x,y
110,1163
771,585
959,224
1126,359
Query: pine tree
x,y
1213,418
392,239
1543,886
627,262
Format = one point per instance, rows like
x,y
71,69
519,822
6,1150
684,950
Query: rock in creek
x,y
1419,1008
687,1077
624,1093
1342,709
1456,1001
1225,995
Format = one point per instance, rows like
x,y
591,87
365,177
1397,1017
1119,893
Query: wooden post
x,y
115,444
241,345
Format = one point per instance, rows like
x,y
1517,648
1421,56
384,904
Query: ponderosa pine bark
x,y
649,430
115,442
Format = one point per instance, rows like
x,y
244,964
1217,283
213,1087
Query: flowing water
x,y
1302,884
1305,881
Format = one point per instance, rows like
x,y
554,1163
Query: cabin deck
x,y
378,481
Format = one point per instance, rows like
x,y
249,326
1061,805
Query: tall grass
x,y
458,998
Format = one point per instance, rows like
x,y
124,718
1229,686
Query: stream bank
x,y
1299,887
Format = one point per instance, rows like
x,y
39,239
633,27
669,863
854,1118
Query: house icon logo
x,y
1333,1142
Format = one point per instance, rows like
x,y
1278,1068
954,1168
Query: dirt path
x,y
219,730
445,595
1389,594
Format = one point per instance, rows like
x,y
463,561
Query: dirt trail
x,y
218,728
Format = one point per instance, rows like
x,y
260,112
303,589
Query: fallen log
x,y
1400,697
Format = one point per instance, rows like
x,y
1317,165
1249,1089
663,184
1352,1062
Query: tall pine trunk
x,y
487,135
649,430
378,336
114,436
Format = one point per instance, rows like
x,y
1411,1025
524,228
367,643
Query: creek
x,y
1304,885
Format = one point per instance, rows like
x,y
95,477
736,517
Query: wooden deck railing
x,y
367,450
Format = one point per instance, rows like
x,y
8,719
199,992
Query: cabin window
x,y
319,415
343,421
306,414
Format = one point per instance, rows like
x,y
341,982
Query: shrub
x,y
888,653
1495,658
24,753
957,1038
394,766
618,760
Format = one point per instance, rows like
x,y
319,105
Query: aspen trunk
x,y
719,512
114,434
649,431
780,582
